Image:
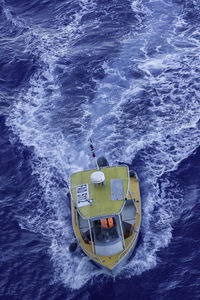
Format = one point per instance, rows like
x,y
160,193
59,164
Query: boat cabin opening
x,y
108,234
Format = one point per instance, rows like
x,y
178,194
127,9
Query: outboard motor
x,y
132,173
102,162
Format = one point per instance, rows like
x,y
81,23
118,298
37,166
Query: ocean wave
x,y
138,102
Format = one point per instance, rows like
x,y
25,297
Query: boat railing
x,y
121,232
89,254
131,195
135,234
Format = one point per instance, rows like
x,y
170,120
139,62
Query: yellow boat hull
x,y
113,263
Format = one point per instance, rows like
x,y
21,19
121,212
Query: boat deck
x,y
111,261
100,199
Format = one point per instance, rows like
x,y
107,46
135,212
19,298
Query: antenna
x,y
93,154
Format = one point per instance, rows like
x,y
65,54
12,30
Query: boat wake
x,y
141,108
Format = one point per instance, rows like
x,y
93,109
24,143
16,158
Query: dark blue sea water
x,y
126,74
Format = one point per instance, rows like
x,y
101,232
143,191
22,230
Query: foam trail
x,y
140,108
55,154
149,103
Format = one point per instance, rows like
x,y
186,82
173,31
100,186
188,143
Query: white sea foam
x,y
9,16
129,115
165,132
55,155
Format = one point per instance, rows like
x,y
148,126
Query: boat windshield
x,y
105,230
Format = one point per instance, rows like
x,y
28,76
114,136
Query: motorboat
x,y
106,213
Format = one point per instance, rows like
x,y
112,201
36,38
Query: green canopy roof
x,y
107,198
